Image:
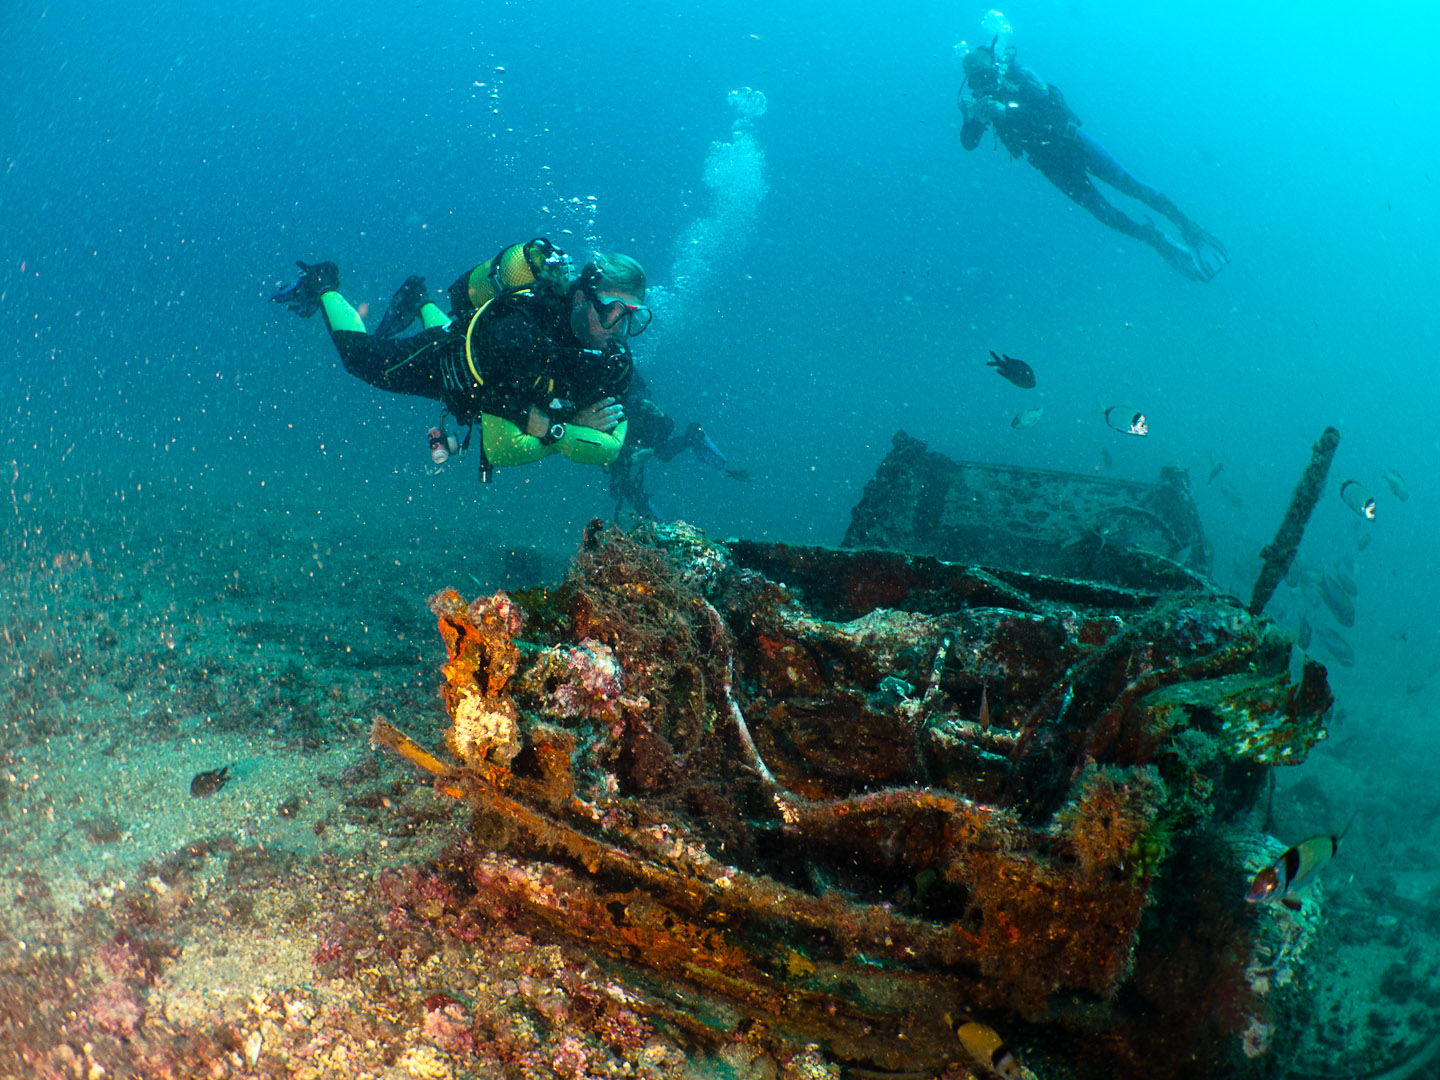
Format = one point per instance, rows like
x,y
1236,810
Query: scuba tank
x,y
518,268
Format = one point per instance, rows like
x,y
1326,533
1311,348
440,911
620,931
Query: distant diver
x,y
1032,120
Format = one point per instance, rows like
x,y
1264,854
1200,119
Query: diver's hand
x,y
605,415
537,424
985,109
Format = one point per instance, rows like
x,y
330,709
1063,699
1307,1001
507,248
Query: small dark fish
x,y
1302,638
1215,470
1336,646
1028,418
1017,371
1340,605
206,784
1105,457
984,707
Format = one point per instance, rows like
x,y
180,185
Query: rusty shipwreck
x,y
954,768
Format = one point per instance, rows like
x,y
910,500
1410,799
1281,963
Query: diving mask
x,y
612,311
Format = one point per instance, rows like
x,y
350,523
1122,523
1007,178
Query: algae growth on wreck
x,y
696,770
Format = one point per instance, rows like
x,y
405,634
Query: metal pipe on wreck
x,y
1280,552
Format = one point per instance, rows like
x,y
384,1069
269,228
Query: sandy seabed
x,y
304,920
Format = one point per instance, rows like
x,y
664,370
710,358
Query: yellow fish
x,y
984,1044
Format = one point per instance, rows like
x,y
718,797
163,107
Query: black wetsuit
x,y
523,350
1035,122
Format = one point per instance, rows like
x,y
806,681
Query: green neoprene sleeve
x,y
506,444
587,446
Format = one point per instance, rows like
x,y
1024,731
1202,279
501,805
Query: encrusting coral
x,y
1112,810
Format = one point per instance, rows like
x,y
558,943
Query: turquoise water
x,y
829,272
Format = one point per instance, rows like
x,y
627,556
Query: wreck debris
x,y
693,759
1011,517
1280,552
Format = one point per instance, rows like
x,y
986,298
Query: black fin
x,y
403,309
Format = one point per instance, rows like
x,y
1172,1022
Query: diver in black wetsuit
x,y
540,363
1032,120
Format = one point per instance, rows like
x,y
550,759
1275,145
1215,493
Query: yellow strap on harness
x,y
469,330
469,356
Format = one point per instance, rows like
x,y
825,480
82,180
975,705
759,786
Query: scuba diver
x,y
652,437
535,360
1031,119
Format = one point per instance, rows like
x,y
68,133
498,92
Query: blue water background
x,y
163,167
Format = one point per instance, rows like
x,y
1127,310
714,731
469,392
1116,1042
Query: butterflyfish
x,y
984,1044
1293,870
